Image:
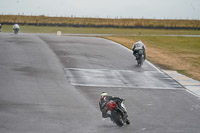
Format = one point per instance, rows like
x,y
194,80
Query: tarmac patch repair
x,y
120,78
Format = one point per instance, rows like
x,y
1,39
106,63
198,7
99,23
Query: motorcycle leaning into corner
x,y
114,108
118,112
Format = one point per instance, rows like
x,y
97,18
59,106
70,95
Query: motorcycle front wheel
x,y
117,118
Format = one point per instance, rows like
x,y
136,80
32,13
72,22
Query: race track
x,y
52,84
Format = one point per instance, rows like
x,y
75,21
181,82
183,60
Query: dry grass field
x,y
100,22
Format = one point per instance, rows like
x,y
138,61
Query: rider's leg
x,y
105,114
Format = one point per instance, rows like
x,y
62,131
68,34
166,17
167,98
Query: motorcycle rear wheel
x,y
140,60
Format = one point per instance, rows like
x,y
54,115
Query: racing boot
x,y
127,122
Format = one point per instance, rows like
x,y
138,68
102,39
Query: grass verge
x,y
116,31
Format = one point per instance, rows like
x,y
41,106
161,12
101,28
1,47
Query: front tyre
x,y
139,61
117,118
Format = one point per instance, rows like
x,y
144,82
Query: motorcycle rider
x,y
138,46
105,98
16,28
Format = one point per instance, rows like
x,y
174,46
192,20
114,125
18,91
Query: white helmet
x,y
103,94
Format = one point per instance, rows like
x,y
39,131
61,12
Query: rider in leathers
x,y
105,98
138,46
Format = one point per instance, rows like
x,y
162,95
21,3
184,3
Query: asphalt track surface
x,y
52,84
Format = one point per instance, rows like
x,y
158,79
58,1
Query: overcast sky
x,y
159,9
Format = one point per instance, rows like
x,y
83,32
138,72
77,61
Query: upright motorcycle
x,y
140,57
118,112
16,28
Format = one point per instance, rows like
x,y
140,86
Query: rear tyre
x,y
140,60
16,31
139,63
